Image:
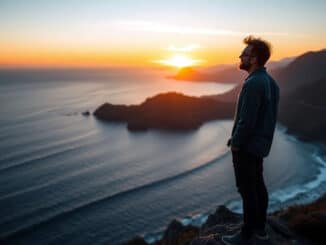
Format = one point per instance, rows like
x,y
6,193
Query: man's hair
x,y
260,48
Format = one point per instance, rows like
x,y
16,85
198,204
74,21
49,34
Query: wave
x,y
281,128
92,203
47,155
51,181
14,129
32,128
195,220
296,194
31,115
305,193
11,126
41,209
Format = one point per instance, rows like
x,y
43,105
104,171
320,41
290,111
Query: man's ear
x,y
254,60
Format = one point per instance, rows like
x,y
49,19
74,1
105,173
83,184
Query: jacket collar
x,y
258,70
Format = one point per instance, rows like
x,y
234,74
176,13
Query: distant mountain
x,y
225,73
217,68
303,111
272,65
221,75
305,69
167,111
303,101
230,96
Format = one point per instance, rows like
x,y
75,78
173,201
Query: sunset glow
x,y
158,33
180,61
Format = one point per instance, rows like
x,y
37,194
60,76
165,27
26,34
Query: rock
x,y
211,239
280,227
306,222
222,216
172,232
86,113
136,241
311,225
177,234
296,225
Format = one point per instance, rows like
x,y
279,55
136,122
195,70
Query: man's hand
x,y
228,143
235,148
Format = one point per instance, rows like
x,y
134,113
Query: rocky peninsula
x,y
173,111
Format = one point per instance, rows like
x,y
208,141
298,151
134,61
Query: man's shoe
x,y
237,239
261,235
234,227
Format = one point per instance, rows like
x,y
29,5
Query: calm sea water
x,y
70,179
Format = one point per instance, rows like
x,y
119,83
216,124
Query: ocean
x,y
66,178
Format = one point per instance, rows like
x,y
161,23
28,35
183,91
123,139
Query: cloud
x,y
188,48
147,26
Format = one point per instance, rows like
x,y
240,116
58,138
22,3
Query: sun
x,y
179,61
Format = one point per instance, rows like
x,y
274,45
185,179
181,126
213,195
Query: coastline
x,y
296,224
290,197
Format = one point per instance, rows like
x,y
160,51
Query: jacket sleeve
x,y
248,113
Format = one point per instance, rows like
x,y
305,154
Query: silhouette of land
x,y
303,101
223,73
167,111
229,74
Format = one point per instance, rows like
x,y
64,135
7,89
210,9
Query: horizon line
x,y
126,66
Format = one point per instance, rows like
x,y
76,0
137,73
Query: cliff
x,y
302,224
303,101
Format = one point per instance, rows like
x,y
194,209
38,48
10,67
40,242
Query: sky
x,y
153,33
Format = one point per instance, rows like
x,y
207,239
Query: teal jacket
x,y
256,114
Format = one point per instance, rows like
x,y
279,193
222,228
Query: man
x,y
251,140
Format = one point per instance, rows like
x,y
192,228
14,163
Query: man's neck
x,y
253,68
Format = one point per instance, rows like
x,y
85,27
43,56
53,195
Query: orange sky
x,y
85,56
38,33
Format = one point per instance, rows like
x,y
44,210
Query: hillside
x,y
172,111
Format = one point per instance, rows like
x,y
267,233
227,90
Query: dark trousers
x,y
248,170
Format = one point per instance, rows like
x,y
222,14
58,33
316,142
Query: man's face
x,y
246,58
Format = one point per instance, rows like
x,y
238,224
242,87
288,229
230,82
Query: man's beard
x,y
244,66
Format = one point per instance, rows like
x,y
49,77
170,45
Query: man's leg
x,y
245,172
262,197
245,177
